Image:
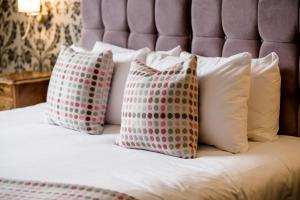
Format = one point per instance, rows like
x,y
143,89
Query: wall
x,y
39,50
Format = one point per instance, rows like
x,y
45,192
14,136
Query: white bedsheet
x,y
30,149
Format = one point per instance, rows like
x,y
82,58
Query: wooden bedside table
x,y
23,89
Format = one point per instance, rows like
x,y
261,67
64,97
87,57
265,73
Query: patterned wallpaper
x,y
39,50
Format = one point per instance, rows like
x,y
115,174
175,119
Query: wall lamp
x,y
33,8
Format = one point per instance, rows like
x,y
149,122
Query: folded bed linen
x,y
31,149
33,190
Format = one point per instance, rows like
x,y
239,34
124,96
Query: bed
x,y
51,153
31,149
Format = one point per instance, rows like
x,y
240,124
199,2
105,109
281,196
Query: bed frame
x,y
207,28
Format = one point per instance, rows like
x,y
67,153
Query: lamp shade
x,y
29,6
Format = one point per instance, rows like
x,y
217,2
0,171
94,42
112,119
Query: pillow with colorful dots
x,y
160,109
78,90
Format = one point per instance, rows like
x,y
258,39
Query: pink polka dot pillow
x,y
160,110
78,90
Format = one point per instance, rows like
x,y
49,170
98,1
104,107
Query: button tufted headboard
x,y
207,28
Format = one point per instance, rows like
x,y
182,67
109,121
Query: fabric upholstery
x,y
206,28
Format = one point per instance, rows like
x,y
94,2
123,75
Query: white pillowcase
x,y
167,62
264,101
102,46
78,49
154,57
224,88
123,58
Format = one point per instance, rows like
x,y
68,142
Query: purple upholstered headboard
x,y
207,28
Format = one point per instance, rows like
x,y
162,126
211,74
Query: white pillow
x,y
102,46
264,101
224,88
123,58
167,62
154,57
122,63
78,49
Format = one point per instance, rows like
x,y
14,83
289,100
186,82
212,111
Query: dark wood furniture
x,y
23,89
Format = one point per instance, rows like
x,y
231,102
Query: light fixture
x,y
31,8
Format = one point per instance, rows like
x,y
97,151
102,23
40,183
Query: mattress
x,y
31,149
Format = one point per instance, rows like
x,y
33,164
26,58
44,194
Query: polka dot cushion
x,y
160,110
78,90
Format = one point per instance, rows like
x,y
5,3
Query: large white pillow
x,y
78,48
224,88
123,58
264,101
102,46
167,62
154,57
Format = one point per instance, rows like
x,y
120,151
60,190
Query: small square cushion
x,y
264,101
160,109
224,88
78,90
